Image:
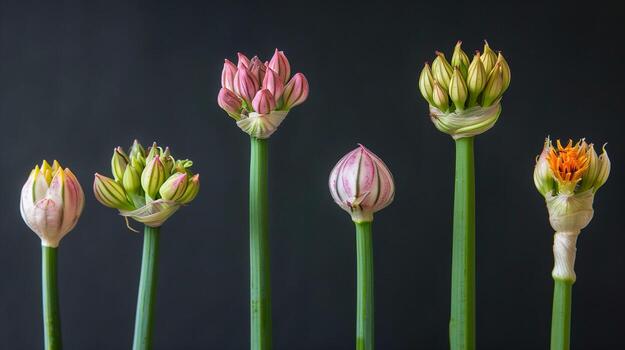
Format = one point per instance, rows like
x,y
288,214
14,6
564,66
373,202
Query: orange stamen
x,y
569,163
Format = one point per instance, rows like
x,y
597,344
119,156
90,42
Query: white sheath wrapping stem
x,y
564,250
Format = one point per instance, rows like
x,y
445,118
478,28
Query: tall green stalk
x,y
260,280
365,316
50,297
144,319
561,314
462,320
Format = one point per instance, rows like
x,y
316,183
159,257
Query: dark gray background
x,y
77,79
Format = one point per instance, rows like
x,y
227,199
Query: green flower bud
x,y
168,161
153,177
543,177
598,170
460,59
441,70
458,89
110,193
137,150
183,165
506,71
174,188
488,58
153,151
494,86
476,79
119,163
131,180
193,187
426,82
439,97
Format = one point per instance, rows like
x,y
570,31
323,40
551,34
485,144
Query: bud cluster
x,y
259,95
463,84
147,186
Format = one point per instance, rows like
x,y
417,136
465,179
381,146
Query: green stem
x,y
144,318
260,280
561,314
365,316
462,320
50,296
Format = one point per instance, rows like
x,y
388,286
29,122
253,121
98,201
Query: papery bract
x,y
51,202
361,184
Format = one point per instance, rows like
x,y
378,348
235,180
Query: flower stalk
x,y
464,99
260,278
50,296
144,318
365,306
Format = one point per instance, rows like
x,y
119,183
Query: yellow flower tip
x,y
569,163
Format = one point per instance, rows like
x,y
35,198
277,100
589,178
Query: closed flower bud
x,y
295,91
264,102
442,71
243,61
137,152
245,85
440,99
426,83
458,89
257,69
598,170
361,184
459,59
110,193
131,180
488,58
119,163
273,82
506,71
230,102
476,79
227,75
153,177
494,86
280,64
543,177
193,187
51,203
153,151
168,161
174,188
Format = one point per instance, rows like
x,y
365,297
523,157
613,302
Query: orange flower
x,y
570,163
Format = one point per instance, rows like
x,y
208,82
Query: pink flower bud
x,y
229,102
296,91
227,75
361,184
245,85
273,83
280,64
243,61
51,202
264,102
257,69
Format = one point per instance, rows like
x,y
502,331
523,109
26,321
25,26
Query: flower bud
x,y
273,82
459,59
426,83
295,91
488,58
153,177
440,99
257,68
119,163
230,102
110,193
168,161
243,61
598,170
442,71
51,208
506,71
193,187
137,152
543,177
476,79
361,184
280,64
153,151
174,188
494,86
227,75
264,102
458,89
131,180
245,85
